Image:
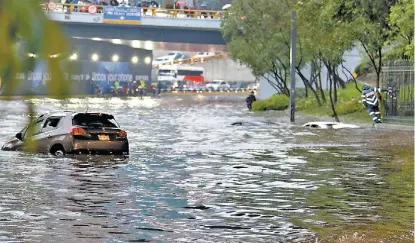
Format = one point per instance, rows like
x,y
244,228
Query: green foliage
x,y
275,102
365,66
401,21
26,29
348,107
348,103
321,35
258,35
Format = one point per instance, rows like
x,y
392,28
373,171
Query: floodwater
x,y
192,177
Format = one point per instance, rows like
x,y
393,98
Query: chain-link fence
x,y
399,104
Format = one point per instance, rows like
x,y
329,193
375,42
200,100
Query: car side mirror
x,y
19,136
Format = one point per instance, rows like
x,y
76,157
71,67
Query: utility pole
x,y
292,66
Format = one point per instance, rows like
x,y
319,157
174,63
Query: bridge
x,y
105,45
169,29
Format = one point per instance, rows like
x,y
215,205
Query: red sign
x,y
92,9
52,6
194,78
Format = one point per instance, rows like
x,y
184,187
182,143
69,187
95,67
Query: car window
x,y
94,120
51,123
36,126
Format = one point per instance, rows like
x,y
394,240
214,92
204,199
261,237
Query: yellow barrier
x,y
175,13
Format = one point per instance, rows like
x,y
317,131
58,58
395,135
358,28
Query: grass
x,y
348,104
275,102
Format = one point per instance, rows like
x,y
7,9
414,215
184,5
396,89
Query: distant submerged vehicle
x,y
328,125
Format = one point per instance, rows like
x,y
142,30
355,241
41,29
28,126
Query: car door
x,y
45,138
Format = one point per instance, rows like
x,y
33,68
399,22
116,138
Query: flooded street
x,y
193,177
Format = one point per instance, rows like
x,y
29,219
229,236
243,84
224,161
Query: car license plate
x,y
104,137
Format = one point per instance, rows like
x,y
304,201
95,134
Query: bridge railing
x,y
159,12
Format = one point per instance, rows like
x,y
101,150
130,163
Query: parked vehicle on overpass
x,y
203,55
73,133
163,60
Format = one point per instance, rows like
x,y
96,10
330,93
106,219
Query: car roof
x,y
321,123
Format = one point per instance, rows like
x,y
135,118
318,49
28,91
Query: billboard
x,y
87,78
75,17
122,15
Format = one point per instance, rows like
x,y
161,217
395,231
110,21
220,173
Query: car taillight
x,y
123,133
78,131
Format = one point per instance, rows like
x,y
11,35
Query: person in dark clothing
x,y
371,101
249,100
159,87
114,3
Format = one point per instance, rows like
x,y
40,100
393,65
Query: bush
x,y
275,102
348,107
365,66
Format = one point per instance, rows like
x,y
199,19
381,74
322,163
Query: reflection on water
x,y
191,176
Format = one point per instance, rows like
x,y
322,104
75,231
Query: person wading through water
x,y
249,100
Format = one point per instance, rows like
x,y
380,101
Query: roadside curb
x,y
389,126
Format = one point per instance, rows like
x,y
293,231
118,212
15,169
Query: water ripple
x,y
191,177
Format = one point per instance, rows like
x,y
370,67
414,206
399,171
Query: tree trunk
x,y
339,80
379,67
334,84
354,79
323,97
307,84
333,109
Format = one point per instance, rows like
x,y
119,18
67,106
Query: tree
x,y
372,28
25,29
256,39
258,35
325,40
401,20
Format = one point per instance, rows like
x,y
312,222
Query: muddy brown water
x,y
192,177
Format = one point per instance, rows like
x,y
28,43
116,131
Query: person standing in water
x,y
249,100
370,99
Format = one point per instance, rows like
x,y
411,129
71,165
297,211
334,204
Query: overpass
x,y
164,29
154,29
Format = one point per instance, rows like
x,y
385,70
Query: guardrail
x,y
191,60
159,12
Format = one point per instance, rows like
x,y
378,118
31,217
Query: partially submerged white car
x,y
329,125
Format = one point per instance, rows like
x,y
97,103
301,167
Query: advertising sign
x,y
75,17
122,15
88,77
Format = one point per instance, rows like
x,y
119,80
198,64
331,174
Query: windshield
x,y
171,54
165,72
94,120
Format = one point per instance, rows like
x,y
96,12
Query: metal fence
x,y
399,104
